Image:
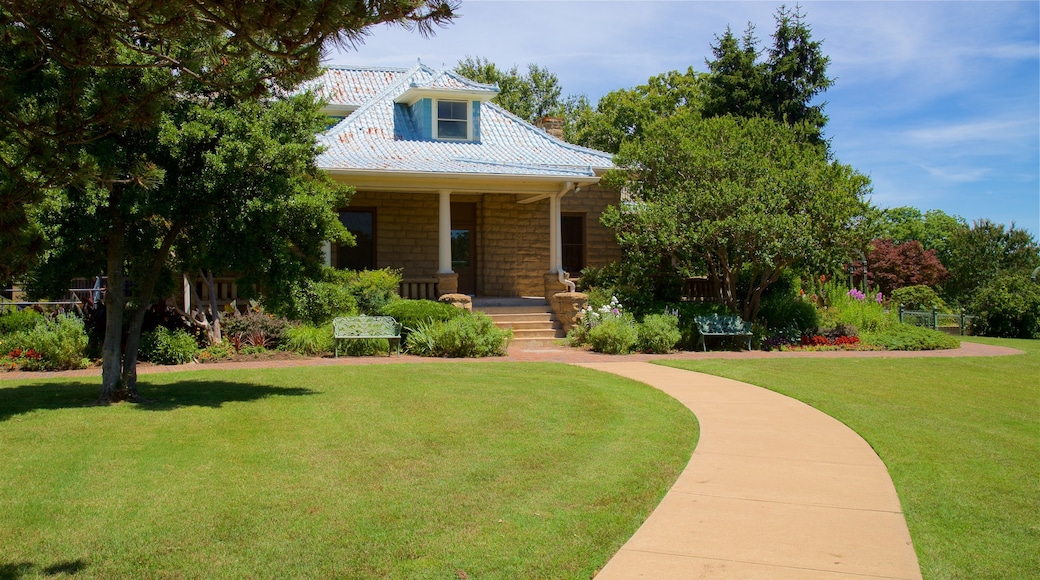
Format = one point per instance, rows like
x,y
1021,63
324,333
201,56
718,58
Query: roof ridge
x,y
408,74
365,67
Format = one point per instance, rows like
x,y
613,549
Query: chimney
x,y
551,125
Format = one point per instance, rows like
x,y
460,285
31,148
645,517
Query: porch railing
x,y
697,289
418,288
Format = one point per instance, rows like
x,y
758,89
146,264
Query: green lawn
x,y
479,470
960,437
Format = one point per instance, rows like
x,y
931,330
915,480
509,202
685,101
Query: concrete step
x,y
538,334
527,324
511,310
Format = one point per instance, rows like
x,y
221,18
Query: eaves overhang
x,y
433,182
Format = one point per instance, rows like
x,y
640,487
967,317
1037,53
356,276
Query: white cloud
x,y
957,174
975,131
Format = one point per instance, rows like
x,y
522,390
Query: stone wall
x,y
601,246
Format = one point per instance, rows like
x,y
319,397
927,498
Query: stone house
x,y
455,191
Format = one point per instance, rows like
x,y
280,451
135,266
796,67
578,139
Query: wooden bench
x,y
716,325
349,327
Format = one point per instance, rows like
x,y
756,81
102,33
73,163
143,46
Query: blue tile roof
x,y
368,141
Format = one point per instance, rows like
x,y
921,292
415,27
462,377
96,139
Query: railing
x,y
697,289
936,320
418,288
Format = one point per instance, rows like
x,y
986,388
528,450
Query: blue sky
x,y
938,102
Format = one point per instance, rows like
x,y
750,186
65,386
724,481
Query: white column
x,y
554,232
326,252
444,234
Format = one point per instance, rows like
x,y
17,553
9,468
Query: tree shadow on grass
x,y
164,397
14,571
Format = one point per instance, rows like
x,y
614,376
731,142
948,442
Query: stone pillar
x,y
447,284
553,286
444,237
566,306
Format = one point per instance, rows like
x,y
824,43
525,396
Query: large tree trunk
x,y
115,303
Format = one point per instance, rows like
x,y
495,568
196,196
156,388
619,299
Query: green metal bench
x,y
349,327
728,325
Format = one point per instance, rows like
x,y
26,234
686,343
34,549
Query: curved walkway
x,y
775,489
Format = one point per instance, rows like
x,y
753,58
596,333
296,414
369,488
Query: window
x,y
362,256
453,120
572,238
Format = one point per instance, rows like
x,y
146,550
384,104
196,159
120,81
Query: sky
x,y
937,102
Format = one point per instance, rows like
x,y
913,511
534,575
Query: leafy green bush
x,y
472,335
168,347
58,344
614,336
917,298
371,289
410,313
24,320
658,333
786,312
1008,307
909,337
255,324
309,340
316,303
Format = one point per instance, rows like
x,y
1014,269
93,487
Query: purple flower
x,y
879,298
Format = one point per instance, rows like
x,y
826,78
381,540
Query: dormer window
x,y
453,120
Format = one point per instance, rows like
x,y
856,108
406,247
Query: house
x,y
456,192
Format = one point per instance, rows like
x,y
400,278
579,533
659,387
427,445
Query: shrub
x,y
852,307
917,298
659,333
254,324
309,340
909,337
472,335
217,352
319,302
614,336
51,345
371,289
789,312
168,347
19,321
1008,307
410,313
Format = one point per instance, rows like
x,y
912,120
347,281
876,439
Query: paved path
x,y
775,489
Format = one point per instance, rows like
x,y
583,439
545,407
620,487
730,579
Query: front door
x,y
464,245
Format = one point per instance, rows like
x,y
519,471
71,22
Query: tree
x,y
529,96
623,114
742,199
782,87
934,228
75,71
985,252
236,189
892,265
85,89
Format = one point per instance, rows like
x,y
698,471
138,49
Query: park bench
x,y
348,327
727,325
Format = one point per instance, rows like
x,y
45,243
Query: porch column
x,y
554,233
447,279
444,234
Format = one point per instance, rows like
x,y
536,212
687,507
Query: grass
x,y
479,470
960,437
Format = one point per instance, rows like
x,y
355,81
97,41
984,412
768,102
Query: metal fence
x,y
936,320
